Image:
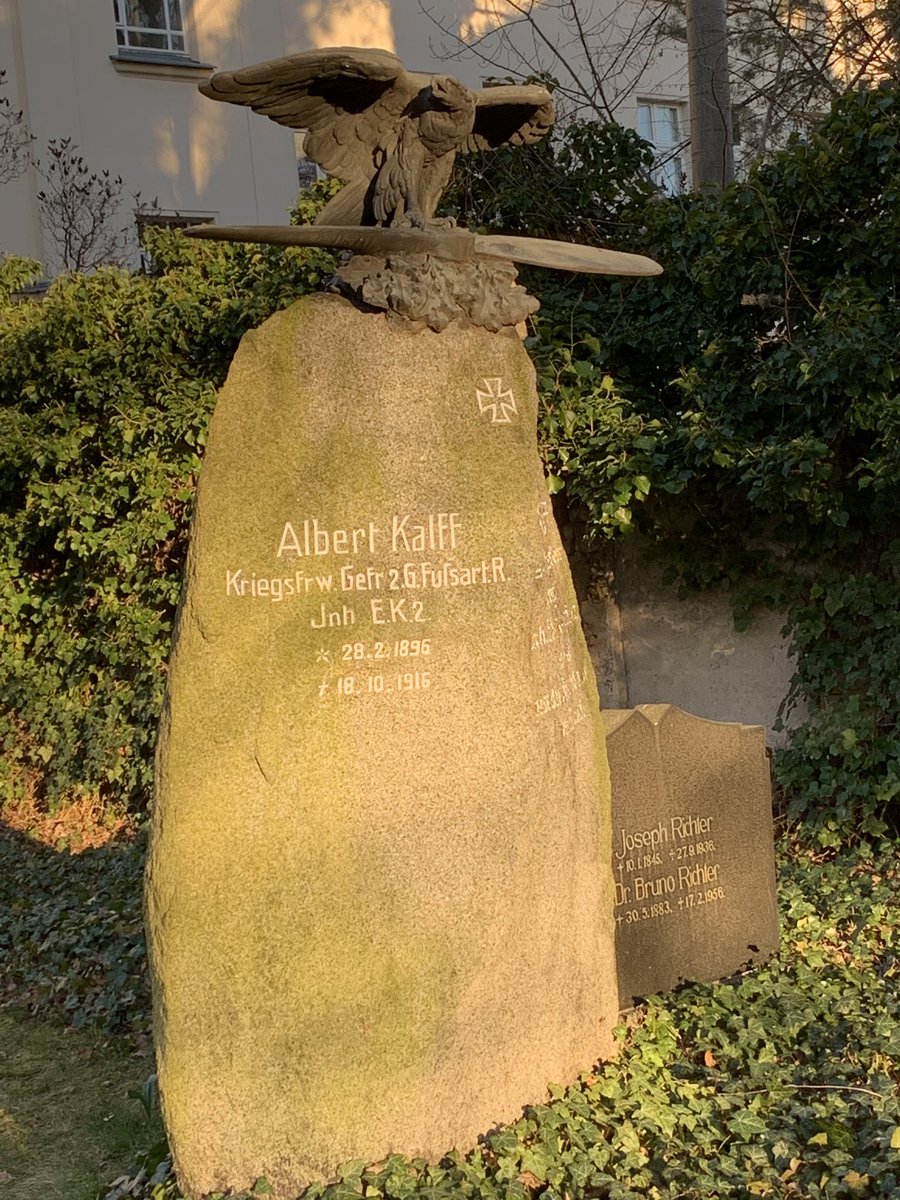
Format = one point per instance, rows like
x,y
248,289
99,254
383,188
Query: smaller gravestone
x,y
693,855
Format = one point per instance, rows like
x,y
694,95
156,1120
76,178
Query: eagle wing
x,y
509,113
349,101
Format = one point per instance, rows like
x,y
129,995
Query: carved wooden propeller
x,y
457,245
391,136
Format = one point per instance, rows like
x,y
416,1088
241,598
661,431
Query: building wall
x,y
148,123
651,646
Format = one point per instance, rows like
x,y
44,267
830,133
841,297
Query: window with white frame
x,y
307,171
660,125
150,25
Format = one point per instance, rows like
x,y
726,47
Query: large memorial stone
x,y
693,854
379,894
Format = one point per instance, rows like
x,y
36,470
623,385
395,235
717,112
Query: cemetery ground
x,y
784,1082
68,1111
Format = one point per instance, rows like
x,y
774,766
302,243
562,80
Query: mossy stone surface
x,y
379,899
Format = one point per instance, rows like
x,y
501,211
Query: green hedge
x,y
106,388
757,442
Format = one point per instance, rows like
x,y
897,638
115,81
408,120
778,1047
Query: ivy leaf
x,y
746,1125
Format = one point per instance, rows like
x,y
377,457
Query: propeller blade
x,y
457,245
565,256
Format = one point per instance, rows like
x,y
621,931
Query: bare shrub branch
x,y
597,59
79,210
789,58
14,139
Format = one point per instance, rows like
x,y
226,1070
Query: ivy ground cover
x,y
781,1083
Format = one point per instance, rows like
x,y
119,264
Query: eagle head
x,y
450,95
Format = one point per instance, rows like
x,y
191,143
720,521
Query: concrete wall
x,y
651,647
147,122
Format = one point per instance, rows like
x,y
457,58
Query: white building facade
x,y
119,78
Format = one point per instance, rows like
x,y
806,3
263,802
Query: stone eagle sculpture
x,y
389,134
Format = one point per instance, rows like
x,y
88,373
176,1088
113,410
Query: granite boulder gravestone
x,y
693,855
379,896
380,903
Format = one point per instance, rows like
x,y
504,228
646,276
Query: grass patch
x,y
67,1122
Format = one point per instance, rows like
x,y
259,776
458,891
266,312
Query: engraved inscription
x,y
666,869
440,532
369,651
370,579
367,587
565,699
328,618
380,684
276,589
676,829
311,539
391,611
